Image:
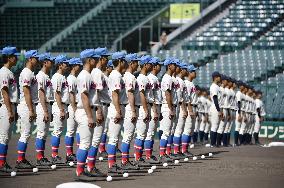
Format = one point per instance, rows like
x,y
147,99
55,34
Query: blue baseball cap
x,y
155,60
61,59
102,52
10,51
216,74
168,61
46,56
31,53
145,59
110,64
75,61
118,55
176,61
89,53
191,68
132,57
183,65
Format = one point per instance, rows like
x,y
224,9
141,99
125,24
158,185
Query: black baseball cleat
x,y
188,154
95,173
116,169
142,163
71,158
129,166
165,159
24,164
103,154
6,168
174,156
84,176
43,162
153,160
57,160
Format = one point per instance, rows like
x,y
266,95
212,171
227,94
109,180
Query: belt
x,y
94,108
174,105
194,105
51,103
137,106
151,104
65,103
12,103
180,103
123,105
106,104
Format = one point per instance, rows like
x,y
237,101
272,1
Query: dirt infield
x,y
246,166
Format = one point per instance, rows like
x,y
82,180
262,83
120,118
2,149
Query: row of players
x,y
106,96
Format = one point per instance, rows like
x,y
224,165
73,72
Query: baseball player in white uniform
x,y
198,114
167,108
43,109
259,116
207,112
231,108
244,109
181,111
75,65
8,102
239,113
202,114
155,110
191,104
60,105
85,114
145,103
102,148
131,109
116,112
216,113
101,104
28,100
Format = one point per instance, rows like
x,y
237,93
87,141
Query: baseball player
x,y
232,109
223,103
198,114
175,102
116,112
28,101
145,103
102,148
75,65
181,112
191,104
43,109
60,105
167,108
207,122
216,113
238,121
85,115
155,110
202,114
8,102
259,116
101,104
244,115
131,109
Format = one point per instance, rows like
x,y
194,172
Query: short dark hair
x,y
6,57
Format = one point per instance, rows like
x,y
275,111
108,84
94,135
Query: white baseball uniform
x,y
85,84
8,80
59,84
259,105
26,79
44,83
214,117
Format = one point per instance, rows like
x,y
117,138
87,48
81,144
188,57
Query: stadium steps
x,y
104,28
30,27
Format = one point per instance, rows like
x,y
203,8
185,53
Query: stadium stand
x,y
246,22
104,28
273,39
30,27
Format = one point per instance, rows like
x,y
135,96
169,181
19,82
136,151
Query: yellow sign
x,y
183,12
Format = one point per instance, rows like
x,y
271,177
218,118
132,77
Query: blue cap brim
x,y
17,54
